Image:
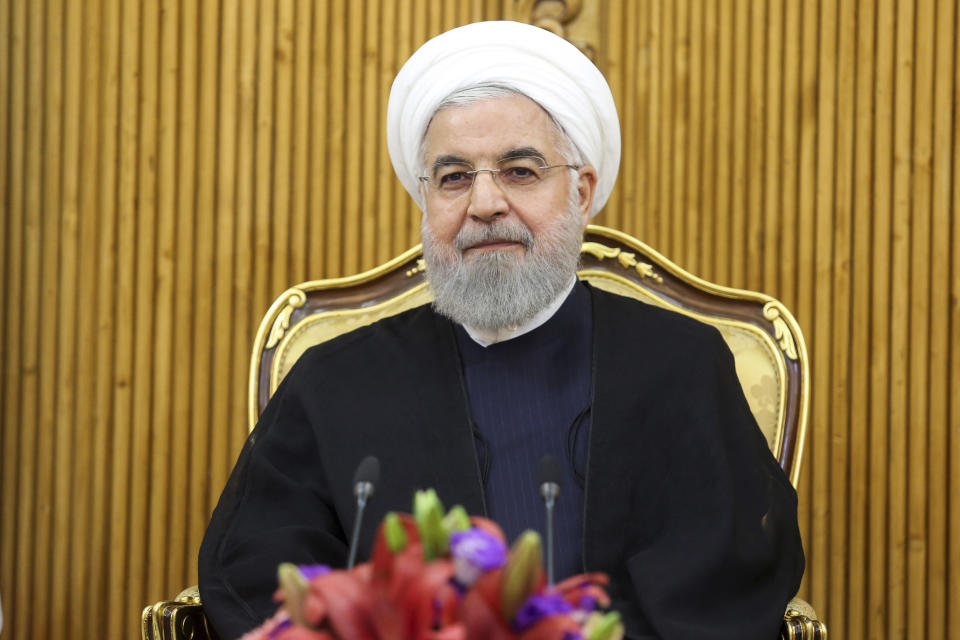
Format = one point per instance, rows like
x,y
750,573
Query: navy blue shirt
x,y
530,396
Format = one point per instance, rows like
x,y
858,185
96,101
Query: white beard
x,y
500,289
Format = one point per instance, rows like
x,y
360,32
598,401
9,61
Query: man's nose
x,y
487,198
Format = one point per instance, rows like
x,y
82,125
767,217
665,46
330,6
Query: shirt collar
x,y
487,337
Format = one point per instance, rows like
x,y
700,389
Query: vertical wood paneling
x,y
680,136
734,219
899,320
203,488
813,497
880,323
190,456
370,122
919,326
773,122
143,214
168,167
300,145
336,127
223,214
31,158
10,244
351,161
857,610
320,168
693,204
838,269
939,348
243,296
126,383
614,41
720,220
756,108
70,454
162,446
953,558
49,102
790,156
103,572
708,196
85,428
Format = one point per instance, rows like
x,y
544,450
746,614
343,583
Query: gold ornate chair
x,y
766,342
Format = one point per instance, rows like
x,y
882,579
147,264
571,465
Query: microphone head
x,y
367,472
550,472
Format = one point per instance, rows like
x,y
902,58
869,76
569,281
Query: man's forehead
x,y
495,128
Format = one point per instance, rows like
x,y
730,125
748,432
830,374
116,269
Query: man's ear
x,y
586,187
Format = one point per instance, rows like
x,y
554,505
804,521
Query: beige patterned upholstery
x,y
755,355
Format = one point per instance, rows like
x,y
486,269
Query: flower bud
x,y
604,626
456,520
428,513
522,574
394,532
294,587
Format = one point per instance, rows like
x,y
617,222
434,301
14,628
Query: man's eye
x,y
520,175
454,179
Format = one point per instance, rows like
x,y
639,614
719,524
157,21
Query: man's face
x,y
500,251
483,134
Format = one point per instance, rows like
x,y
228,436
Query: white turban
x,y
535,62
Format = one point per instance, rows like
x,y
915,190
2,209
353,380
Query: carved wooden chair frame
x,y
314,311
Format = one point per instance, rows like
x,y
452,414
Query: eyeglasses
x,y
523,173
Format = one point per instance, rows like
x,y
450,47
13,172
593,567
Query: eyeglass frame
x,y
496,172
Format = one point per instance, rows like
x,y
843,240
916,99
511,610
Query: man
x,y
508,139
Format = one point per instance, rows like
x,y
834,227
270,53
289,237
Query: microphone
x,y
549,476
365,478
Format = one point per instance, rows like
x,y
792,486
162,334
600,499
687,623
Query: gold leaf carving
x,y
646,271
421,266
599,251
557,16
780,330
295,299
553,15
626,259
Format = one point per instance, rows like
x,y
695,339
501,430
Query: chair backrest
x,y
771,357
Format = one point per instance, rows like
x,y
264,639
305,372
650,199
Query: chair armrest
x,y
178,619
800,622
182,619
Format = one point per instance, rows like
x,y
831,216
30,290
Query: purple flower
x,y
587,603
311,571
475,551
282,626
540,606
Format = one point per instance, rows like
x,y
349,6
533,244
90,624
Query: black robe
x,y
685,508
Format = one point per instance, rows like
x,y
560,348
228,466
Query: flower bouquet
x,y
440,576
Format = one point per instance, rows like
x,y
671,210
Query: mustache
x,y
472,235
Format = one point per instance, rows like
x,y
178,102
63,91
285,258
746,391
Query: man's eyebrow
x,y
449,159
522,152
518,152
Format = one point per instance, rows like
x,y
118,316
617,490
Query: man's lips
x,y
493,245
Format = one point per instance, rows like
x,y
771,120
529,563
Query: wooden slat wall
x,y
810,150
167,167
